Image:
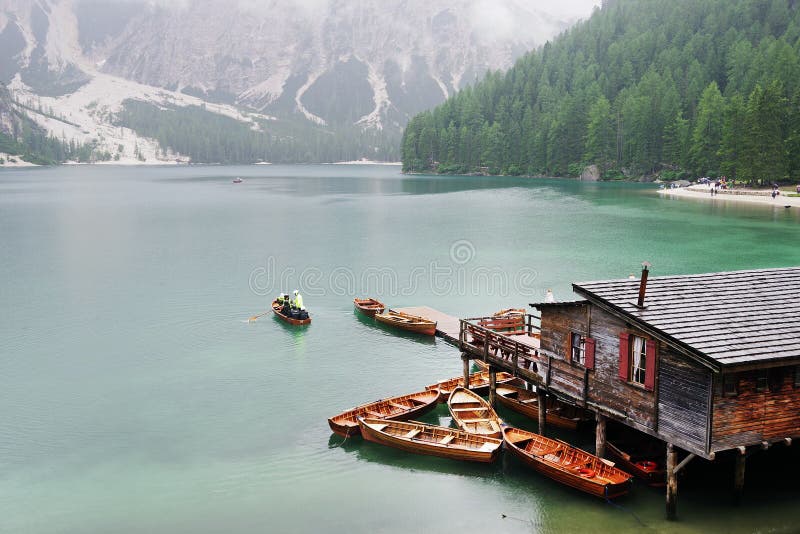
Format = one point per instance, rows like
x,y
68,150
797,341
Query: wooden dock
x,y
447,326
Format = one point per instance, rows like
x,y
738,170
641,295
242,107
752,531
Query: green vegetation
x,y
690,87
208,137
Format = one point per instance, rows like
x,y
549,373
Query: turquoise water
x,y
136,397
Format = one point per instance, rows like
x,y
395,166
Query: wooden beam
x,y
600,435
542,401
672,483
684,462
492,385
465,360
738,478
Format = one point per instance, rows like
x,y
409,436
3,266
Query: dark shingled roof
x,y
731,317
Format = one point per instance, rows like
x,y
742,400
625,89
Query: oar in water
x,y
253,318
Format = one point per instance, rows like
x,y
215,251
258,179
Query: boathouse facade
x,y
706,362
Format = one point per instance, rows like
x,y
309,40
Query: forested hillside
x,y
208,137
700,87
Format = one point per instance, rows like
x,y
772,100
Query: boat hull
x,y
648,471
473,414
422,326
478,383
398,408
527,403
368,307
429,441
584,472
276,309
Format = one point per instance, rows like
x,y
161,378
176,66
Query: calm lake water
x,y
135,396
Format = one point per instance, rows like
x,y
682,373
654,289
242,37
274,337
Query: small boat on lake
x,y
237,180
401,408
642,460
527,403
566,464
473,414
277,309
369,307
478,383
419,438
406,321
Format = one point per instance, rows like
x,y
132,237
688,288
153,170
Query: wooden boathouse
x,y
706,363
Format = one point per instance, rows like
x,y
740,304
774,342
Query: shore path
x,y
703,192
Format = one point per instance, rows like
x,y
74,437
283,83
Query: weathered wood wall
x,y
684,389
604,386
752,417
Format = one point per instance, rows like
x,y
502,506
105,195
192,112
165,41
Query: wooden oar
x,y
253,318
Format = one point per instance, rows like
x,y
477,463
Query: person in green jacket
x,y
297,302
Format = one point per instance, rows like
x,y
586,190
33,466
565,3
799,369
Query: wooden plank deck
x,y
447,326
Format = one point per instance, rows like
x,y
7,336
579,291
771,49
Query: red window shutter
x,y
624,354
589,353
650,365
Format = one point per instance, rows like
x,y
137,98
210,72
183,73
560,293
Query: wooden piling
x,y
542,402
738,478
465,360
672,483
492,385
600,435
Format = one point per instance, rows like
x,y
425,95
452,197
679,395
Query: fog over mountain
x,y
358,64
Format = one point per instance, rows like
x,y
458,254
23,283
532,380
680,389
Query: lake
x,y
136,397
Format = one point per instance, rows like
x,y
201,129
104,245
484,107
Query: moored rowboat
x,y
277,309
645,466
406,321
527,403
473,414
420,438
402,407
369,307
478,383
567,464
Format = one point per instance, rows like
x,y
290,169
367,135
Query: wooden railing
x,y
496,340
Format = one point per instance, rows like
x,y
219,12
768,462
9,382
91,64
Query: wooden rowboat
x,y
473,414
277,309
527,403
644,466
369,307
406,321
420,438
402,407
566,464
478,383
511,312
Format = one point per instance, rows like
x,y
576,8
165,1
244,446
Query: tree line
x,y
208,137
680,88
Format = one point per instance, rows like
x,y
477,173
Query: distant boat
x,y
237,180
433,440
473,414
369,307
406,321
402,407
277,309
566,464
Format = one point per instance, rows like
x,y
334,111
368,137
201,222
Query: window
x,y
578,348
775,379
797,376
761,381
730,385
638,359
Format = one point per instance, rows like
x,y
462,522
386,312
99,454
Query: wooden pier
x,y
447,326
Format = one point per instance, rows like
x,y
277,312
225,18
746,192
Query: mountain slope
x,y
699,86
342,65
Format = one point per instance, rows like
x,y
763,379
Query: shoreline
x,y
781,201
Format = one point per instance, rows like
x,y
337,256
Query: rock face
x,y
364,64
591,173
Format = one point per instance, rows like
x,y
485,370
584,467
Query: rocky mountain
x,y
356,64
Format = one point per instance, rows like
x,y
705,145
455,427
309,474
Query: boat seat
x,y
413,433
532,400
447,439
475,420
396,405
